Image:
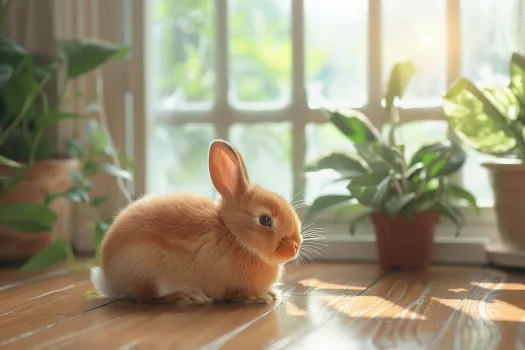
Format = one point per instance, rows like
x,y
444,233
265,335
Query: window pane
x,y
266,149
476,178
182,67
416,30
336,69
260,53
416,134
489,35
178,159
323,139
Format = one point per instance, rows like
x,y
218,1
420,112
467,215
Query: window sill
x,y
449,250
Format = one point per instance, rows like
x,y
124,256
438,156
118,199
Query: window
x,y
255,72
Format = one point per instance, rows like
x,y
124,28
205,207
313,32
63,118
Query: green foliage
x,y
50,255
82,56
400,77
27,217
490,119
381,177
33,100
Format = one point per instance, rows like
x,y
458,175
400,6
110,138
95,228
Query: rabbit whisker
x,y
299,193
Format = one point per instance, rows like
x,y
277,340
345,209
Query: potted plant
x,y
491,120
405,196
37,183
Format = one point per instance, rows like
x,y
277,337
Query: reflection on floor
x,y
326,306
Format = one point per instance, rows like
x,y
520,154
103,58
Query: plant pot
x,y
405,244
508,186
50,176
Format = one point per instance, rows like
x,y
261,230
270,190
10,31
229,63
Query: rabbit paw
x,y
275,294
255,298
188,296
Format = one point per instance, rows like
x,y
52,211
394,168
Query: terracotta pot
x,y
52,176
508,185
405,244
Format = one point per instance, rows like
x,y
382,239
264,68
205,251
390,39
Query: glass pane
x,y
260,53
179,159
489,35
416,134
476,178
182,65
416,30
323,139
267,152
336,71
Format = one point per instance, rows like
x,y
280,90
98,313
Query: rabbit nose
x,y
288,248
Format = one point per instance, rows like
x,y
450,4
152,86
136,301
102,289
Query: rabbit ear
x,y
227,170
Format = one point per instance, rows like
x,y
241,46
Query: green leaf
x,y
98,201
83,56
461,193
11,181
379,157
440,159
396,204
9,162
101,227
368,180
354,125
55,117
482,117
97,139
400,76
364,195
414,171
452,214
27,217
6,72
358,220
382,189
11,49
74,147
113,170
517,77
129,163
50,255
324,202
338,162
346,210
74,194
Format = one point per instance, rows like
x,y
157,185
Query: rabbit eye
x,y
265,220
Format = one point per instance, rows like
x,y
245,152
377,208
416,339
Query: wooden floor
x,y
326,306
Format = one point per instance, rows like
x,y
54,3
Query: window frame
x,y
223,115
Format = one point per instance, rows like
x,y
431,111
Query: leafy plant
x,y
34,97
381,176
490,119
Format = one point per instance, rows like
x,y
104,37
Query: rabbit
x,y
191,250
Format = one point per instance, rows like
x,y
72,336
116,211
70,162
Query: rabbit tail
x,y
101,284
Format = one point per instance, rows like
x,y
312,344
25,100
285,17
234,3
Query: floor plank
x,y
143,326
62,295
335,306
444,308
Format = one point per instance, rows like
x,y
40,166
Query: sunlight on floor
x,y
369,307
476,309
503,286
318,284
293,310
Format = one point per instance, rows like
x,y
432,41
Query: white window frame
x,y
480,228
